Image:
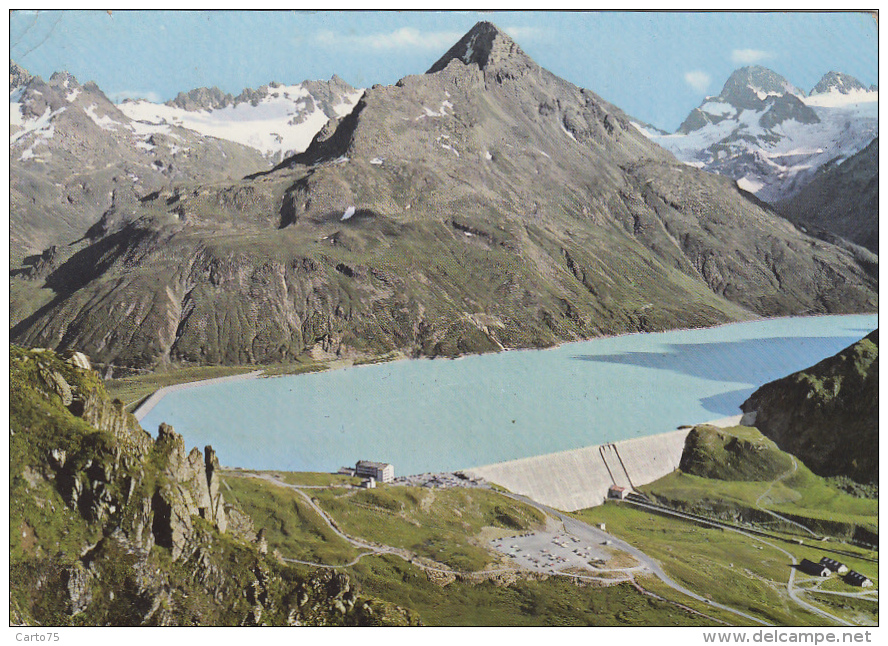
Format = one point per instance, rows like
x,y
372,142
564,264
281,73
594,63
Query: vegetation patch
x,y
292,527
439,524
720,565
553,601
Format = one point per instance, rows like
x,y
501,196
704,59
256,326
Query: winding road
x,y
573,526
790,584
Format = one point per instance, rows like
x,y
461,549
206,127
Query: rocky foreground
x,y
112,527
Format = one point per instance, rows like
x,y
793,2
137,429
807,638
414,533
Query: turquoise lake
x,y
443,415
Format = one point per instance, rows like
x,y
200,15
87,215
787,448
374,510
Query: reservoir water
x,y
443,415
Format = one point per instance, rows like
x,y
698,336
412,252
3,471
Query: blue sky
x,y
655,66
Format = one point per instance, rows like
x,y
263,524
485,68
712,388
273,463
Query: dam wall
x,y
580,478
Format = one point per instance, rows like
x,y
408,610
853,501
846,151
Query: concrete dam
x,y
580,478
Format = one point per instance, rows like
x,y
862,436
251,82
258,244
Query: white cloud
x,y
405,37
148,95
698,80
747,56
524,33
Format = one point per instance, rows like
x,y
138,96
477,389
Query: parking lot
x,y
552,551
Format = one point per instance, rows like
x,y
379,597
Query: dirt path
x,y
758,502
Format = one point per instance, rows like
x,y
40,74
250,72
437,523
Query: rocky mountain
x,y
113,527
74,155
770,137
828,414
277,120
841,200
486,204
18,76
838,82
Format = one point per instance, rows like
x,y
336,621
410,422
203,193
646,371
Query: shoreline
x,y
152,400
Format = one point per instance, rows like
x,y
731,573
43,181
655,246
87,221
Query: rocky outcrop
x,y
122,529
18,75
827,414
711,452
202,98
192,489
841,200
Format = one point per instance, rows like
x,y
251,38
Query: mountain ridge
x,y
771,137
475,208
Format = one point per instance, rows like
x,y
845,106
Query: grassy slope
x,y
439,524
293,527
551,602
131,390
721,565
828,414
442,524
801,494
730,566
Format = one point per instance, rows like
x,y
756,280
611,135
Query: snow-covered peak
x,y
839,83
747,87
768,136
277,120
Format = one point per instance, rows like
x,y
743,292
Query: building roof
x,y
811,567
857,576
372,465
832,564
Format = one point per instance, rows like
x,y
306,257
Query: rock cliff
x,y
114,527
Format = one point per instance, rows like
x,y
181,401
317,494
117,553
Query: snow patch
x,y
348,103
104,122
750,185
40,126
470,49
350,211
836,99
282,123
377,161
487,155
72,94
718,108
568,132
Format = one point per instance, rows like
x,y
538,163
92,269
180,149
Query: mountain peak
x,y
485,45
201,98
18,75
747,87
837,82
